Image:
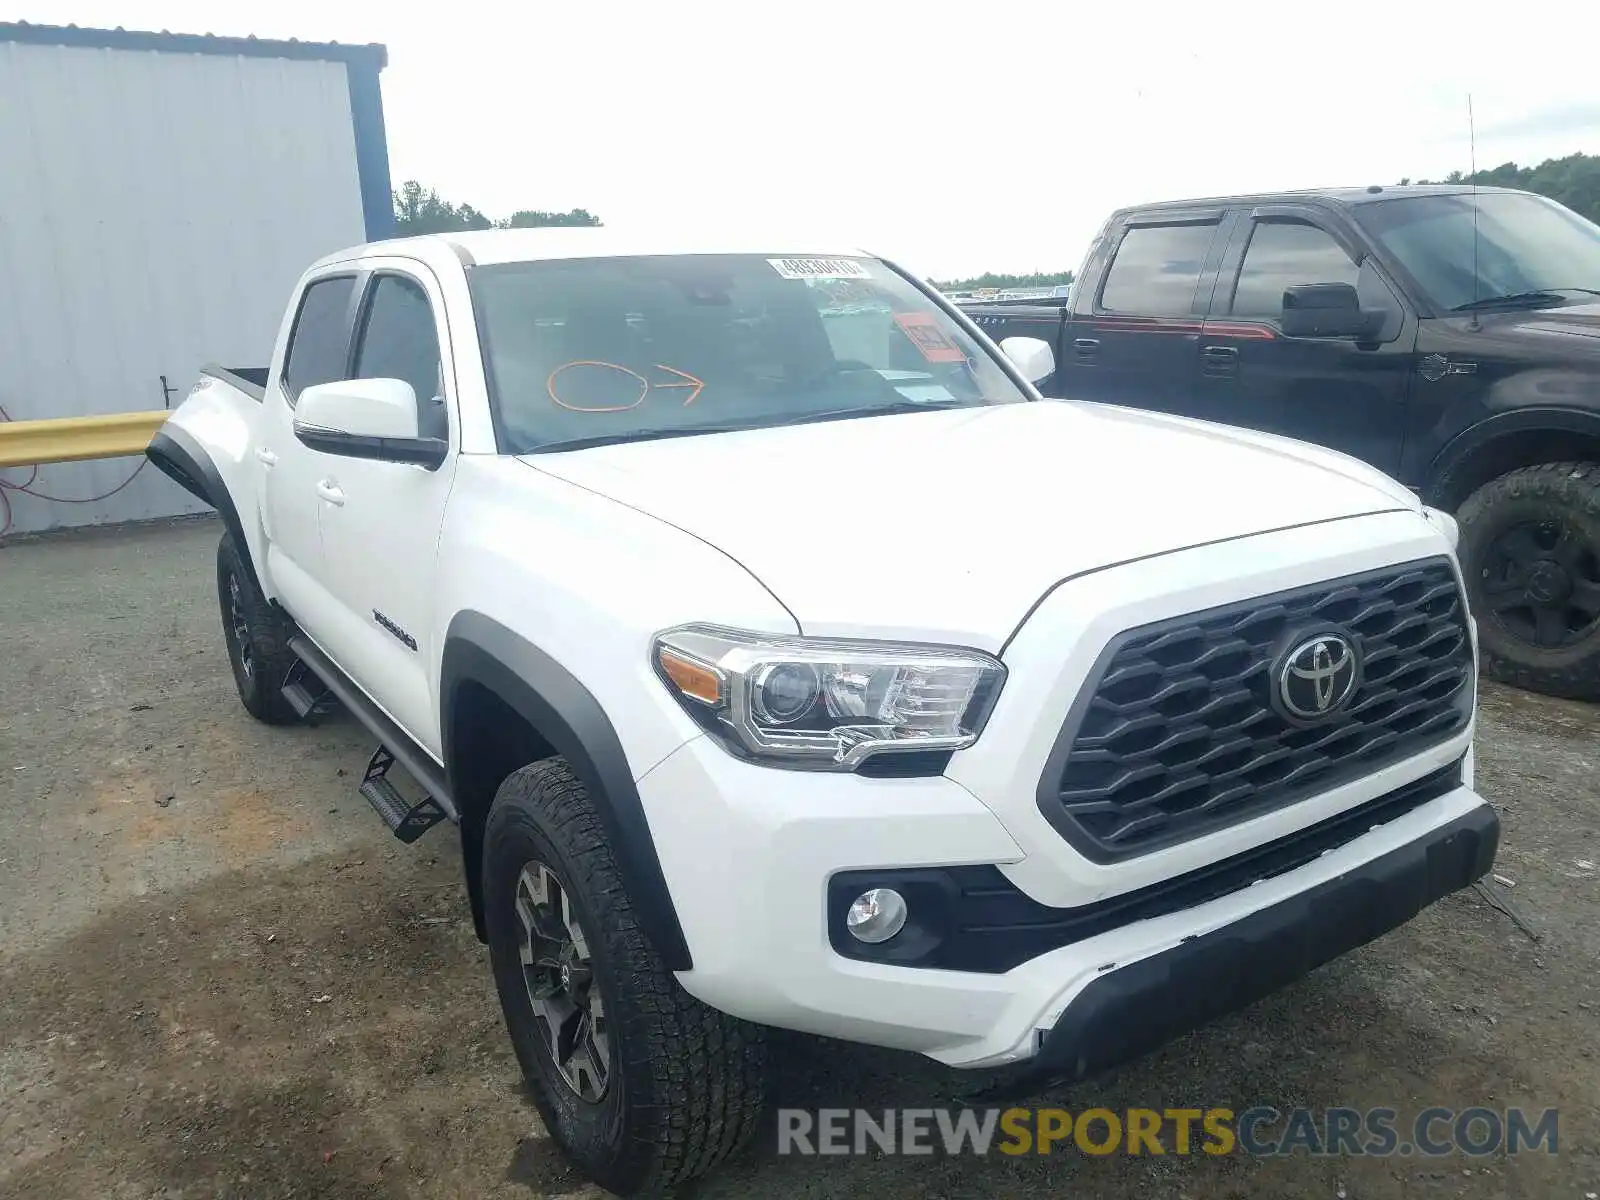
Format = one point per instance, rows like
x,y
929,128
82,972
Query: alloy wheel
x,y
562,990
1541,580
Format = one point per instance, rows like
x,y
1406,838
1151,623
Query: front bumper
x,y
1130,1011
752,900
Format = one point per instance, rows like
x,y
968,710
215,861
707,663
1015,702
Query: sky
x,y
954,136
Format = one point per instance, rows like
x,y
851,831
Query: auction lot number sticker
x,y
820,268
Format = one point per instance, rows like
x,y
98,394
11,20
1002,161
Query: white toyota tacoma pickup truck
x,y
785,661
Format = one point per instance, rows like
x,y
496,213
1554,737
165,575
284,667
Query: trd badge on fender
x,y
1317,677
394,629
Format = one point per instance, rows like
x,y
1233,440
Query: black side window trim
x,y
1254,222
361,308
1321,217
291,395
369,289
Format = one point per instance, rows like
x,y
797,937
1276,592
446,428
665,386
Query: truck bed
x,y
1015,310
252,381
1009,318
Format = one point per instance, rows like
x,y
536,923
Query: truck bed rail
x,y
252,381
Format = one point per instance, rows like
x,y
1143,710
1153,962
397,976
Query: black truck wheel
x,y
257,639
641,1085
1530,554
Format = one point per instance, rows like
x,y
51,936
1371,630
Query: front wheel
x,y
641,1085
1530,555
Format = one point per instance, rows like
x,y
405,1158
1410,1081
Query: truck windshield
x,y
587,351
1531,252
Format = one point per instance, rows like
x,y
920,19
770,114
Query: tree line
x,y
420,210
995,279
1573,181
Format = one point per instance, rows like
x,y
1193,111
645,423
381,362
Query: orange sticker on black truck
x,y
931,341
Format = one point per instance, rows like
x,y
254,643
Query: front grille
x,y
1175,734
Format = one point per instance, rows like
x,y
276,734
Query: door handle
x,y
1219,360
331,492
1084,348
266,458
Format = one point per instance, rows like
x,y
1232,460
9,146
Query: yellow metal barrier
x,y
70,439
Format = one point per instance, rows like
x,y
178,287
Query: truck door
x,y
1134,339
381,520
316,352
1336,392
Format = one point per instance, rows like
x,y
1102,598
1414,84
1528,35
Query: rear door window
x,y
320,341
1157,269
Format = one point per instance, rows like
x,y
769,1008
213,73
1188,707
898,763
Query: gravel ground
x,y
220,977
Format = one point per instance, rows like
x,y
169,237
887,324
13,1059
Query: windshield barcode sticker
x,y
820,268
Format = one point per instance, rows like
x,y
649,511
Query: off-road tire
x,y
1568,493
686,1083
266,636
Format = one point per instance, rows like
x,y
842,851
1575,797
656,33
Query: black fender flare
x,y
1540,418
183,460
560,709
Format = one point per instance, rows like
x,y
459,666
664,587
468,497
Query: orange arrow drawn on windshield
x,y
689,382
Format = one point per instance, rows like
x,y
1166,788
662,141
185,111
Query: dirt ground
x,y
221,977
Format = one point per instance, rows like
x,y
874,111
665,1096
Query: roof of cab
x,y
1343,196
483,247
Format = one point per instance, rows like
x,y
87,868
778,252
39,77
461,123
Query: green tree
x,y
991,279
419,210
529,218
1573,181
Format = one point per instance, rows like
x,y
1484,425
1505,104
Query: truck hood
x,y
1571,327
948,525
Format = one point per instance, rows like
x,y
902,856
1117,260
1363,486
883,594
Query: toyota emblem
x,y
1318,676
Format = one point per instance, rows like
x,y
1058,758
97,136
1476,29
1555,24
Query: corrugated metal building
x,y
159,193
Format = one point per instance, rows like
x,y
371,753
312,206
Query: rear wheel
x,y
640,1084
257,638
1530,554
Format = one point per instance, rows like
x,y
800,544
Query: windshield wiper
x,y
868,410
639,435
832,414
1513,300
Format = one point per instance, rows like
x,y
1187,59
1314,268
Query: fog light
x,y
876,916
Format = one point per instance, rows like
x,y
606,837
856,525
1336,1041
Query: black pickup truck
x,y
1448,335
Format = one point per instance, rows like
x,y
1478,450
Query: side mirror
x,y
366,418
1327,310
1032,357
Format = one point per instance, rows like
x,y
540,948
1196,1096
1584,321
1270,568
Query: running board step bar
x,y
407,821
306,694
395,743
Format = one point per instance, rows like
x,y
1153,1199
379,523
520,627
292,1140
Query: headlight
x,y
1445,523
821,704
